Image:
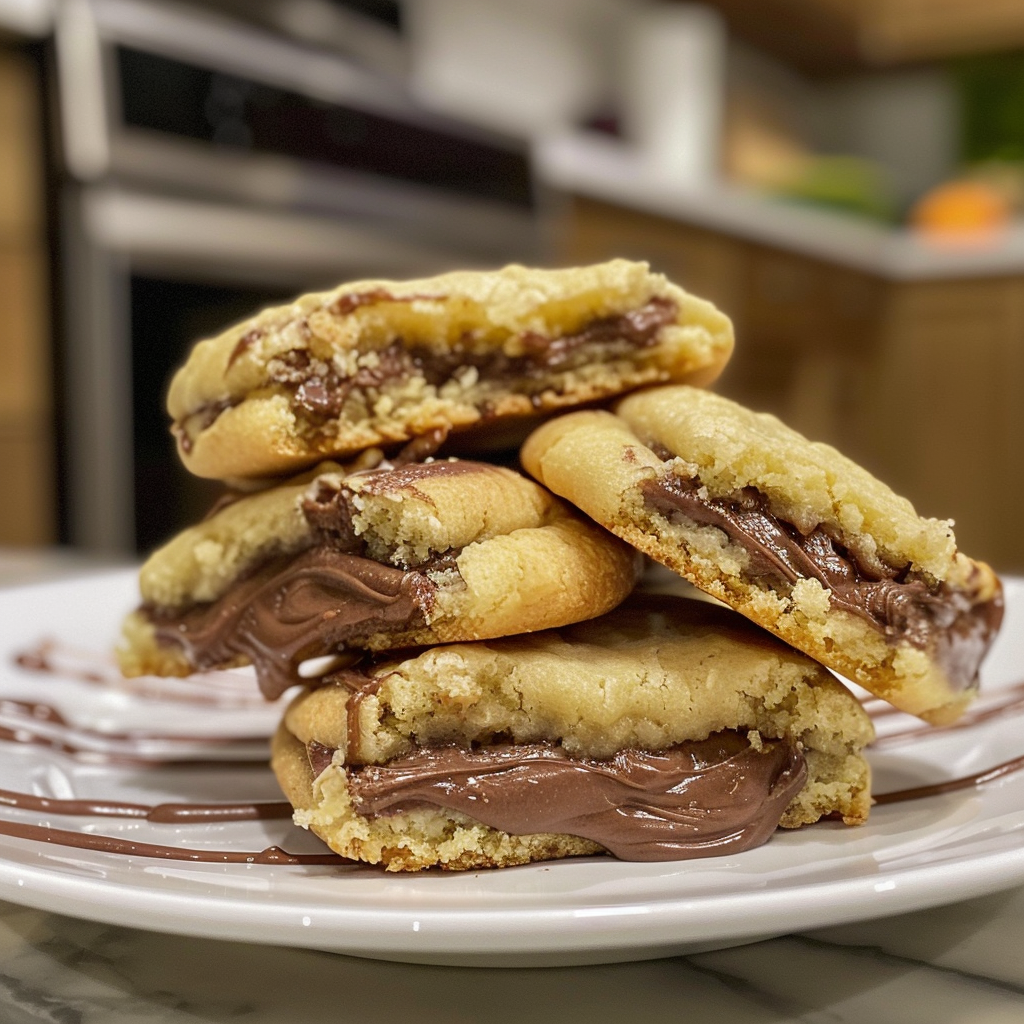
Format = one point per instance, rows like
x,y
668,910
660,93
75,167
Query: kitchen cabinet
x,y
830,36
27,511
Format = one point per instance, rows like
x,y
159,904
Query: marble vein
x,y
844,985
959,964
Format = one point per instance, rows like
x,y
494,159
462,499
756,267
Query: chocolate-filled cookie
x,y
787,531
380,362
667,729
374,560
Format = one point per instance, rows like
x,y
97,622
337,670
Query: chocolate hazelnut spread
x,y
381,481
947,622
205,417
697,799
422,447
319,392
348,303
360,684
295,607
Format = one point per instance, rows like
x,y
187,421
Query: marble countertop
x,y
958,963
602,168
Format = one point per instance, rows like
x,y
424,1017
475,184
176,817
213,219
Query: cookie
x,y
380,362
378,559
787,531
666,729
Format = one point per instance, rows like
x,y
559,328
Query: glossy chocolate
x,y
293,609
697,799
320,601
952,785
130,848
948,623
164,814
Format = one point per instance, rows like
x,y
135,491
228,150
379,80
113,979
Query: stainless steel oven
x,y
209,169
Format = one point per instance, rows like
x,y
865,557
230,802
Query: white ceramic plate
x,y
592,910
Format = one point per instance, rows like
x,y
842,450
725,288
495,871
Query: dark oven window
x,y
181,99
168,316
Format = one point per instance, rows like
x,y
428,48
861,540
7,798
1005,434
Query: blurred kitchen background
x,y
845,178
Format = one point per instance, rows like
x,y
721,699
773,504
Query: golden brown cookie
x,y
378,362
789,532
374,560
664,730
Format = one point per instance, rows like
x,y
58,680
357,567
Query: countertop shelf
x,y
604,168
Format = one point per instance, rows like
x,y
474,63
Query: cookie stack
x,y
483,684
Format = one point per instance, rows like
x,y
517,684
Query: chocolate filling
x,y
245,343
293,609
314,603
903,606
320,392
697,799
207,415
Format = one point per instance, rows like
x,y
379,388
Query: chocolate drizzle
x,y
902,606
130,848
952,785
164,814
38,660
1008,700
217,689
65,737
37,724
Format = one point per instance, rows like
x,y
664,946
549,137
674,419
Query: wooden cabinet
x,y
830,36
922,382
27,513
710,264
946,397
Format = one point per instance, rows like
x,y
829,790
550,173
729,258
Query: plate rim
x,y
661,920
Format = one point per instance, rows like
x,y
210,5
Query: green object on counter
x,y
991,91
844,183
